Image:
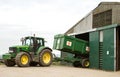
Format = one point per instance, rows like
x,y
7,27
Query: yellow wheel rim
x,y
24,59
46,58
87,64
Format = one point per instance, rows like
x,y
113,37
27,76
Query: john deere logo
x,y
69,43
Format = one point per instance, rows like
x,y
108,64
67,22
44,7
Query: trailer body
x,y
70,44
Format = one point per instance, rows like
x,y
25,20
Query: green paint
x,y
108,49
94,50
13,50
27,46
70,44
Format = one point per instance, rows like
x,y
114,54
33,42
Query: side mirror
x,y
45,41
22,39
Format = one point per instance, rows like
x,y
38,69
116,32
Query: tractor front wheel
x,y
23,59
9,63
45,57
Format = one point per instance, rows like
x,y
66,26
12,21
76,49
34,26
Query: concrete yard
x,y
54,71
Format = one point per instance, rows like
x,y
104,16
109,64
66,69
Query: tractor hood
x,y
19,48
13,50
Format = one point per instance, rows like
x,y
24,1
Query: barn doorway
x,y
84,36
118,48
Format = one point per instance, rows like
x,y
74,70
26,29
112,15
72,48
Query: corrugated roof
x,y
107,27
97,29
109,3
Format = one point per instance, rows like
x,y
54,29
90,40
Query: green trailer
x,y
79,48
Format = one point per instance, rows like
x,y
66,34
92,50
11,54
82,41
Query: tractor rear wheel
x,y
85,63
23,59
45,57
9,63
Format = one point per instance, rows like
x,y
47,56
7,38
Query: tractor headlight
x,y
10,51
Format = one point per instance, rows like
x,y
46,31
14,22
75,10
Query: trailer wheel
x,y
76,64
23,59
9,63
85,63
45,57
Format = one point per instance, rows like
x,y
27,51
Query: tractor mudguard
x,y
41,48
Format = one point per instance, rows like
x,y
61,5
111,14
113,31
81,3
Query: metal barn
x,y
101,28
104,45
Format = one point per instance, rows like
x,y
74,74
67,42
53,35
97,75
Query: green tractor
x,y
31,53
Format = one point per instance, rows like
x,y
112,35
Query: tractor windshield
x,y
27,41
33,41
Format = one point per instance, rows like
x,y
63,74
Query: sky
x,y
44,18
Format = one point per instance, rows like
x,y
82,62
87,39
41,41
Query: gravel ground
x,y
54,71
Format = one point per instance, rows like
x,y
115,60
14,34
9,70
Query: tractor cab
x,y
33,42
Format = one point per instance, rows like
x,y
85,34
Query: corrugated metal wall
x,y
102,49
84,25
102,19
94,49
108,50
116,14
106,13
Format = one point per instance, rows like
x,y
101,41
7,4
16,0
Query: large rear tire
x,y
45,57
9,63
23,59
